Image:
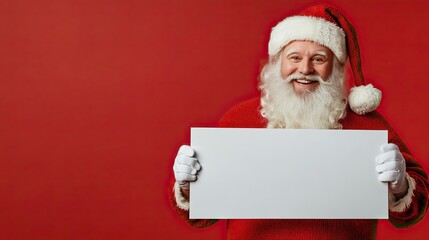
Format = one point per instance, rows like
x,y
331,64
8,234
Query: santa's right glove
x,y
185,167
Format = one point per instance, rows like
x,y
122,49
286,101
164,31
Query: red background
x,y
96,97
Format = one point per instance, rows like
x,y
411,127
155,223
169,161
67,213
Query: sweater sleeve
x,y
181,206
411,209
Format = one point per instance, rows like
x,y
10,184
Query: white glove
x,y
185,167
391,168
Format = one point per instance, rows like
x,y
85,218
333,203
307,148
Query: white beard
x,y
320,109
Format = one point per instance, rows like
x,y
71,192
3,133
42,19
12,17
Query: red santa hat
x,y
328,27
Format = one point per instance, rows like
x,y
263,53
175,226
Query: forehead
x,y
306,47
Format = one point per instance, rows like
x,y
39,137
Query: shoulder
x,y
370,121
373,121
244,115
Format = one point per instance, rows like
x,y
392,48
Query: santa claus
x,y
302,86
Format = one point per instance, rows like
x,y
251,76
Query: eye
x,y
294,58
318,59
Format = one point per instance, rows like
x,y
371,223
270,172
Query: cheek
x,y
325,71
286,69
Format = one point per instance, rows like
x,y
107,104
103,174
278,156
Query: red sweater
x,y
246,115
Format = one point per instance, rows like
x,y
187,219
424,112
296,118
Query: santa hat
x,y
328,27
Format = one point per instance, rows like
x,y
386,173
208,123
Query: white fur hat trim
x,y
308,28
364,99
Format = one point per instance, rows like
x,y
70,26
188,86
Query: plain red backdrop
x,y
96,97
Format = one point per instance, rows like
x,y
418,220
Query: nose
x,y
305,67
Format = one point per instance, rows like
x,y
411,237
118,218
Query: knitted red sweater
x,y
246,115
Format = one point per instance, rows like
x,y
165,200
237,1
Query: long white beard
x,y
320,109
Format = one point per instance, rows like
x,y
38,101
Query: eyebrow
x,y
291,51
323,53
319,52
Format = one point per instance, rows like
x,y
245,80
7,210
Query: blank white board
x,y
287,174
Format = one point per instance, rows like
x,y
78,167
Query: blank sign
x,y
287,174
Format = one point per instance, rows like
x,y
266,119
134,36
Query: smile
x,y
304,86
305,81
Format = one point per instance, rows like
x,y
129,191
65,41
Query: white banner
x,y
287,174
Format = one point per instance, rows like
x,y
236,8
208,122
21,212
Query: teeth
x,y
304,81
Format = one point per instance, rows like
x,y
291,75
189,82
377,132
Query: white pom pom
x,y
364,99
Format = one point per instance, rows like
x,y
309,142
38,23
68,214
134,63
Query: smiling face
x,y
304,64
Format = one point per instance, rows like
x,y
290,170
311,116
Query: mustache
x,y
295,76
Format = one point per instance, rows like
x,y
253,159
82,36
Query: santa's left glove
x,y
391,168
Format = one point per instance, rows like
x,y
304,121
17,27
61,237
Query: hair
x,y
283,108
